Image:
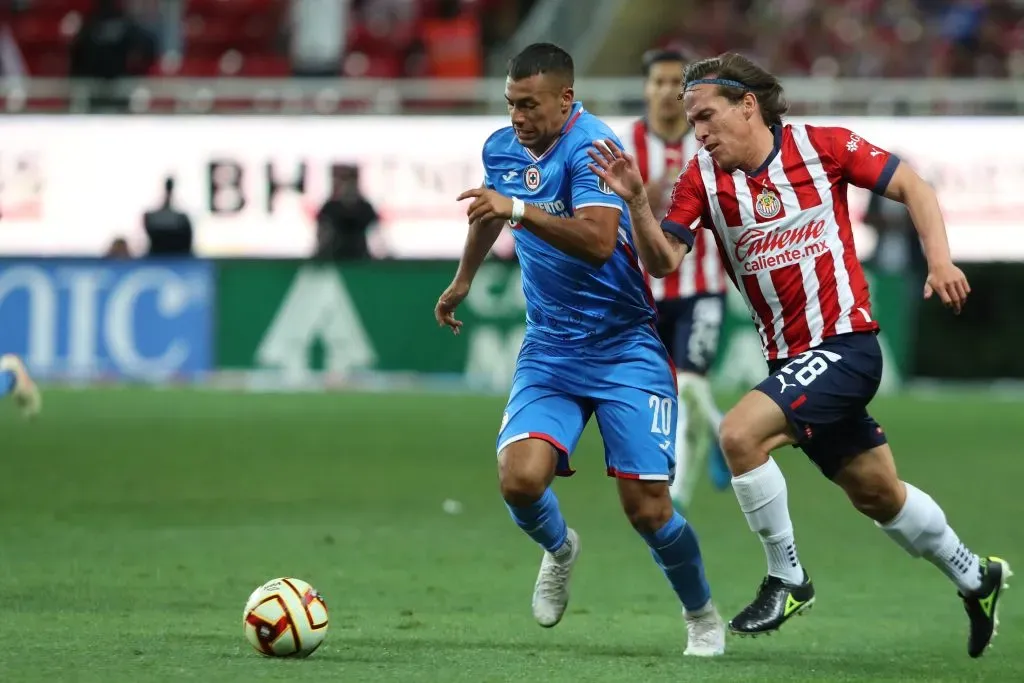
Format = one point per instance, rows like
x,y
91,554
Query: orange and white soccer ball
x,y
285,617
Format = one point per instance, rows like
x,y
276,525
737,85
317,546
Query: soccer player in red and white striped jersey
x,y
691,298
774,196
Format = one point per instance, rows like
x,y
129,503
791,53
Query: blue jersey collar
x,y
574,115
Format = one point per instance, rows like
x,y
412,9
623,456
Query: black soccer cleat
x,y
776,602
981,604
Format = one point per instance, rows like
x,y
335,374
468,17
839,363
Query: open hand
x,y
950,283
444,311
487,205
616,168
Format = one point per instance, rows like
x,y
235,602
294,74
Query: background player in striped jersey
x,y
690,299
775,197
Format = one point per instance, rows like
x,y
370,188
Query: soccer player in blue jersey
x,y
590,347
17,383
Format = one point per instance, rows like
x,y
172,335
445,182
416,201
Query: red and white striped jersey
x,y
701,272
786,234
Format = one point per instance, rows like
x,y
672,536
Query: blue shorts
x,y
825,392
627,381
690,329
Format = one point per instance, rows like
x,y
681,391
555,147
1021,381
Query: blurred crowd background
x,y
458,38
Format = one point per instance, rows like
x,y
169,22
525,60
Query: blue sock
x,y
6,382
677,552
542,521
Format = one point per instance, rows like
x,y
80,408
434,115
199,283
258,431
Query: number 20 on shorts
x,y
661,417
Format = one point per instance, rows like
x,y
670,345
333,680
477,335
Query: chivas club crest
x,y
767,204
531,178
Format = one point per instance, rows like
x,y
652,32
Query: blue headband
x,y
717,81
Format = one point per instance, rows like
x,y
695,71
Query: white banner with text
x,y
70,185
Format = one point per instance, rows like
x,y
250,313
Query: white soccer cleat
x,y
25,393
551,592
705,633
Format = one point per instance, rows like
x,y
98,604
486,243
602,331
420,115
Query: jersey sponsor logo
x,y
531,177
766,249
852,143
510,176
603,186
555,208
767,204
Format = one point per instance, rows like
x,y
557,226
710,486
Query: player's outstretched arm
x,y
590,235
660,253
944,278
480,238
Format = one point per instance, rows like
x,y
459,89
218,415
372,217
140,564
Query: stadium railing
x,y
605,96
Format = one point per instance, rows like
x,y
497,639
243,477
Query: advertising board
x,y
293,319
89,319
252,185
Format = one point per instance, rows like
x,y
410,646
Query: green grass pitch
x,y
135,523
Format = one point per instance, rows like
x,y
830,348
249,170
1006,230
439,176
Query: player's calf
x,y
676,549
871,483
750,431
525,471
921,529
915,522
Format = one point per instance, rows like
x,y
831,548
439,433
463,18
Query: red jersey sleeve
x,y
858,161
687,207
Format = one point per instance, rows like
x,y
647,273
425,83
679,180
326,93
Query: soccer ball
x,y
285,617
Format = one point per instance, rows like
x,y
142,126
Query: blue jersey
x,y
567,299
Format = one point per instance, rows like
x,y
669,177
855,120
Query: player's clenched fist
x,y
950,283
617,168
487,205
444,311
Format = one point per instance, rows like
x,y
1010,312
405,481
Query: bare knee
x,y
879,500
872,485
743,447
738,443
750,431
525,470
647,504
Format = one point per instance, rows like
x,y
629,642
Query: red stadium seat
x,y
38,29
198,67
232,7
46,63
266,66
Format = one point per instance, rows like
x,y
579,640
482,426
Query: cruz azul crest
x,y
531,178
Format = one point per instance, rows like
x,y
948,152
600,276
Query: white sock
x,y
920,528
761,493
682,485
702,391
